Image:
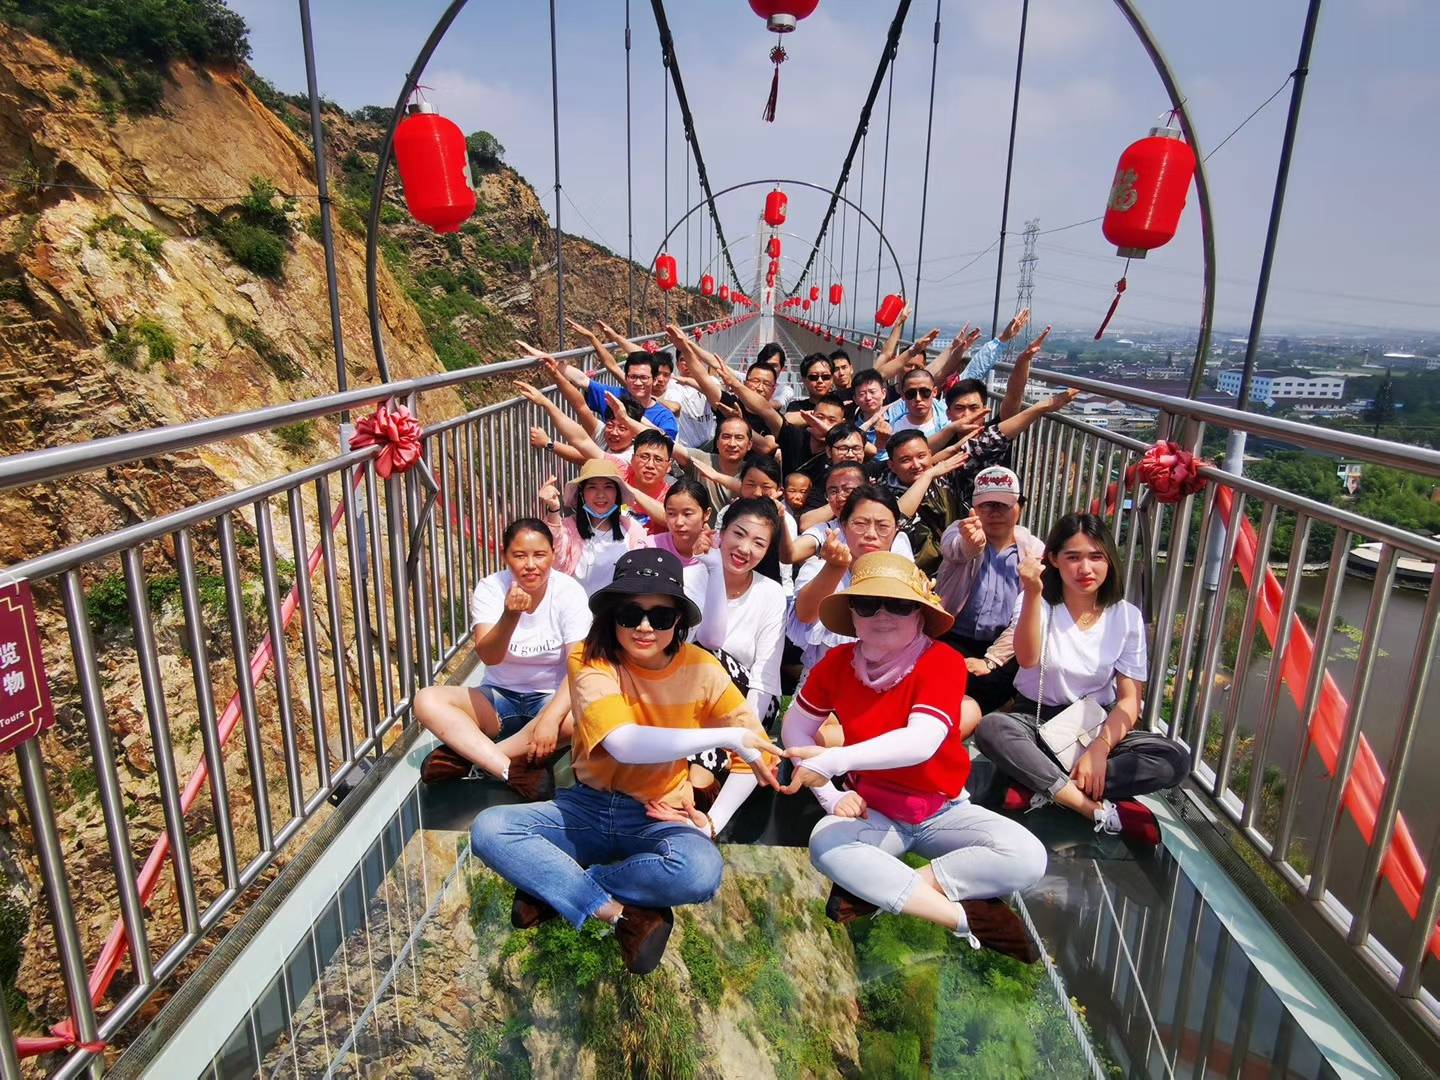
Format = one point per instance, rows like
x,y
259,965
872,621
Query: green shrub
x,y
297,438
485,152
158,341
152,32
285,367
14,925
254,248
265,208
134,241
142,332
703,963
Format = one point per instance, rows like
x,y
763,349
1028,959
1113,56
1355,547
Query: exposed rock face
x,y
121,310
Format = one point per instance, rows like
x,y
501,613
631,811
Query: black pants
x,y
994,688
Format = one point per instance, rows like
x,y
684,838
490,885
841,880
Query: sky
x,y
1359,247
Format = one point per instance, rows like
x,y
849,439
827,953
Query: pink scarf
x,y
890,671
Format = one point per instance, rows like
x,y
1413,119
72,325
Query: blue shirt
x,y
992,597
658,413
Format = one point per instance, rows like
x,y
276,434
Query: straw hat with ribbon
x,y
885,574
598,469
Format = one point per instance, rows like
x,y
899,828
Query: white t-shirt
x,y
1084,663
598,557
898,415
787,572
536,659
755,634
695,419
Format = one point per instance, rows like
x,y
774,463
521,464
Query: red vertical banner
x,y
25,709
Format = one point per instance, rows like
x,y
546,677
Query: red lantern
x,y
890,309
805,305
434,169
773,247
775,204
837,294
1148,193
665,273
707,285
724,292
774,267
781,15
814,292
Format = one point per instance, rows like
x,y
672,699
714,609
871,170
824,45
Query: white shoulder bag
x,y
1070,731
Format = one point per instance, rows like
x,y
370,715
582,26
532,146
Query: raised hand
x,y
1033,349
538,439
518,600
707,543
1060,400
726,410
1015,325
1031,580
949,465
851,805
924,342
834,551
817,424
531,350
581,329
972,534
549,494
528,392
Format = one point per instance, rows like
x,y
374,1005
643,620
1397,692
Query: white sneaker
x,y
1107,818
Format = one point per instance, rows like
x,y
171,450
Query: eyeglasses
x,y
919,393
816,376
867,607
630,616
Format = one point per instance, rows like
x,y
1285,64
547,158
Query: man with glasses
x,y
841,478
819,381
979,581
639,376
916,407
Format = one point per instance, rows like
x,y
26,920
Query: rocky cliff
x,y
162,265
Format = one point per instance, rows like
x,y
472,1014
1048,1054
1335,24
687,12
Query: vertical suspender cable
x,y
925,182
1009,165
884,181
559,254
855,277
665,168
839,316
322,188
629,185
687,203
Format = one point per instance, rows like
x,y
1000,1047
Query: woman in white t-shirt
x,y
527,618
1077,638
590,541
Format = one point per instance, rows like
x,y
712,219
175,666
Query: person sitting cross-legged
x,y
626,844
898,698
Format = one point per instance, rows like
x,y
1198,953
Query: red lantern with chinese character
x,y
814,293
724,292
837,294
773,247
434,169
707,285
890,309
1148,193
665,272
775,207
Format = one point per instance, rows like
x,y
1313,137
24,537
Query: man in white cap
x,y
979,580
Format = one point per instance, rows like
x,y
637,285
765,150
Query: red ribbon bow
x,y
1170,471
396,432
652,346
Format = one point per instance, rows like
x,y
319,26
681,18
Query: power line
x,y
1252,116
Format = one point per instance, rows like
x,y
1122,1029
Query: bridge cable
x,y
665,168
555,126
629,186
855,277
887,57
667,52
1009,167
884,188
925,182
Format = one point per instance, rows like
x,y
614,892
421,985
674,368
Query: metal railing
x,y
1276,700
151,650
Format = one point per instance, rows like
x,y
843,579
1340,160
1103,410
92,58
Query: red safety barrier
x,y
1403,866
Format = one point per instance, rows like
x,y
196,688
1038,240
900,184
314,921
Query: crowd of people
x,y
729,545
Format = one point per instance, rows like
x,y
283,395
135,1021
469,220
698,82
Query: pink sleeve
x,y
567,546
636,536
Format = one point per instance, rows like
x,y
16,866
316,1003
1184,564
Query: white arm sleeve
x,y
733,793
633,744
716,609
799,728
917,741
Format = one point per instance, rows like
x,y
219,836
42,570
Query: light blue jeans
x,y
588,847
974,853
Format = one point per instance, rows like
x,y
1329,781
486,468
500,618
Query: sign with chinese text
x,y
25,709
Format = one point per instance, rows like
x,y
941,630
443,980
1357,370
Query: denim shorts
x,y
515,708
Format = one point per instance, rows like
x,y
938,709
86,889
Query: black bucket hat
x,y
647,572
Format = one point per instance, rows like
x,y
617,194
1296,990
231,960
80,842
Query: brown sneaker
x,y
998,928
643,933
533,782
443,764
528,911
845,907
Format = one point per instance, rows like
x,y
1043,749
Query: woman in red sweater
x,y
897,695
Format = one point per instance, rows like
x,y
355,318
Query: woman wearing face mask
x,y
591,539
898,699
690,536
1076,637
527,619
869,521
762,478
626,843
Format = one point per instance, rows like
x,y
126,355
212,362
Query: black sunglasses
x,y
867,607
919,392
630,616
814,376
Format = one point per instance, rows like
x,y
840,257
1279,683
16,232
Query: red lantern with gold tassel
x,y
665,272
434,169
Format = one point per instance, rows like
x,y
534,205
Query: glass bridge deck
x,y
1156,966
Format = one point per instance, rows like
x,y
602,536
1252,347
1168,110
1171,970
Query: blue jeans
x,y
515,708
588,847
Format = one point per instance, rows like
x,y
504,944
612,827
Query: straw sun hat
x,y
598,469
882,573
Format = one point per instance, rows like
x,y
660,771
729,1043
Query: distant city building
x,y
1273,386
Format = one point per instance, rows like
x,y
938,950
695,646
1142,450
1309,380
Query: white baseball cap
x,y
996,484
